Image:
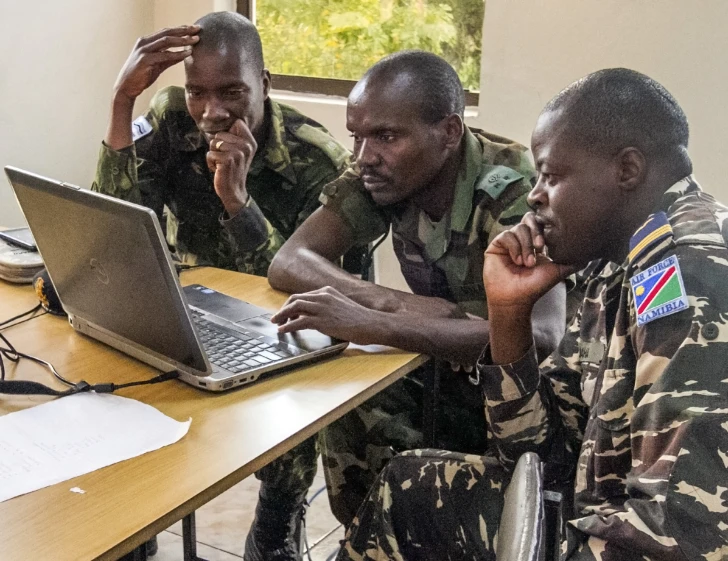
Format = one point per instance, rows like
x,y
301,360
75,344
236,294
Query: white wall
x,y
534,48
60,60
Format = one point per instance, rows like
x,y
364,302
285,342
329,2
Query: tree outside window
x,y
342,38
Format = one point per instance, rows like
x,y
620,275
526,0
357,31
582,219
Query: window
x,y
324,46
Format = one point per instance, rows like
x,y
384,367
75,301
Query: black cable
x,y
366,261
5,323
7,353
26,387
44,312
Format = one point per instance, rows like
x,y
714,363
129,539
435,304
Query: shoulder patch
x,y
494,180
324,142
140,128
659,291
656,228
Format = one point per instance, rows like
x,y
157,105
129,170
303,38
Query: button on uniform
x,y
709,331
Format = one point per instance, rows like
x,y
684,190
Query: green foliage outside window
x,y
342,38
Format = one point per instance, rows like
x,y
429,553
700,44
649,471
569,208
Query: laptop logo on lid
x,y
99,270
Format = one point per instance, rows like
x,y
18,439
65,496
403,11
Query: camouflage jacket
x,y
445,259
634,400
166,166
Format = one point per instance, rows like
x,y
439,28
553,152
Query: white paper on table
x,y
77,434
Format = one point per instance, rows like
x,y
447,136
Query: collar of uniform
x,y
275,154
462,203
656,230
193,139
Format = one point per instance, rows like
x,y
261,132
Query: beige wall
x,y
58,72
60,60
534,48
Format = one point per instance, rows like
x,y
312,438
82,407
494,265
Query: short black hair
x,y
617,108
435,86
220,30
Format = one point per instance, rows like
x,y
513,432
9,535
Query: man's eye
x,y
549,178
386,137
193,93
234,94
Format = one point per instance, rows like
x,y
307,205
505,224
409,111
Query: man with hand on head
x,y
634,402
446,191
237,173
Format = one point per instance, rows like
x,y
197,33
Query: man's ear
x,y
454,129
266,83
631,167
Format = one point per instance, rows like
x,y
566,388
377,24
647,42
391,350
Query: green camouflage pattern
x,y
490,196
447,261
168,168
637,415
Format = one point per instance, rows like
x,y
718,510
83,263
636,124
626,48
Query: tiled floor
x,y
223,523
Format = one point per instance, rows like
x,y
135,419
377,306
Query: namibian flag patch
x,y
659,291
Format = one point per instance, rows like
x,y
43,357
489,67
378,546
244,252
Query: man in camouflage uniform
x,y
446,191
634,400
238,174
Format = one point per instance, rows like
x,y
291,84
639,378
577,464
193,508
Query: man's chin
x,y
568,260
380,195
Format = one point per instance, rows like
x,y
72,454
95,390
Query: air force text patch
x,y
659,291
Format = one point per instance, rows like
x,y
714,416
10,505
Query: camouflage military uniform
x,y
443,260
634,402
167,166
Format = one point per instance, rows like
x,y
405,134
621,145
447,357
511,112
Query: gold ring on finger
x,y
219,143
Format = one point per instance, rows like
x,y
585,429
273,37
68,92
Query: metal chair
x,y
521,531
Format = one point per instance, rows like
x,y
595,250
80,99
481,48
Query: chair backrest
x,y
520,534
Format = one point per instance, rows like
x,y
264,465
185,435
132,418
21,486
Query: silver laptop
x,y
109,262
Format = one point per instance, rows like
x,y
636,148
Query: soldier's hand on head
x,y
229,158
151,56
517,271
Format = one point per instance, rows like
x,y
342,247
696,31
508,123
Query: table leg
x,y
138,554
431,399
189,538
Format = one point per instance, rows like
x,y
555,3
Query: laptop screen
x,y
110,265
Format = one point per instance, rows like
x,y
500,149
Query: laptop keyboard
x,y
234,351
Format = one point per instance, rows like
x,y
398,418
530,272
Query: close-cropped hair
x,y
434,84
224,30
617,108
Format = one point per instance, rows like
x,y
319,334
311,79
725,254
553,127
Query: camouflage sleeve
x,y
136,173
346,197
255,239
532,410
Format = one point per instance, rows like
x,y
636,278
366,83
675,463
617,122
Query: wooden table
x,y
232,434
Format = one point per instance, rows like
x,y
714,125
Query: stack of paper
x,y
18,264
